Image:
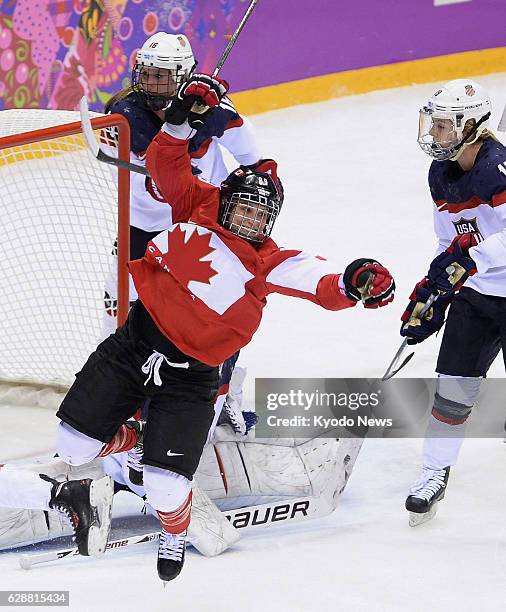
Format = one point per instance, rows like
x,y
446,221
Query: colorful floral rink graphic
x,y
52,52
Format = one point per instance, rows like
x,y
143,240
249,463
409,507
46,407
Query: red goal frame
x,y
70,129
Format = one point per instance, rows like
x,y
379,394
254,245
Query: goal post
x,y
63,213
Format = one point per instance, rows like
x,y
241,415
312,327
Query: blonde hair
x,y
120,95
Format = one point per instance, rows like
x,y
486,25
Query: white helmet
x,y
171,51
162,63
446,115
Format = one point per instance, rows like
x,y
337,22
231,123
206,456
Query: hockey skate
x,y
88,505
171,552
425,495
134,456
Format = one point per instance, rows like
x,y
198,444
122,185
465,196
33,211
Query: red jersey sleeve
x,y
169,165
305,276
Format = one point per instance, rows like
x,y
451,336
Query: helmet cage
x,y
249,215
155,87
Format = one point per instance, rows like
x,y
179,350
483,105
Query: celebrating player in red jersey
x,y
202,287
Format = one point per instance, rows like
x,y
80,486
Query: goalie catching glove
x,y
195,99
418,329
366,280
451,268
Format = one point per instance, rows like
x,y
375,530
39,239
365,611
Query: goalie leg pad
x,y
23,489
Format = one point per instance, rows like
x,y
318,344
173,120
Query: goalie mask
x,y
163,63
251,200
455,116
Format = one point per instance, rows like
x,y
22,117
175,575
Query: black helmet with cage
x,y
162,64
251,200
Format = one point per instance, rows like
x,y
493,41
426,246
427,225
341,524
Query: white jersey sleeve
x,y
241,143
491,252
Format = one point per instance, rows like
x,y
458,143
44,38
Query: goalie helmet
x,y
162,64
251,200
455,116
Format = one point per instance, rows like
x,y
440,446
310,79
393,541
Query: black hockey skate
x,y
134,456
88,505
171,555
425,495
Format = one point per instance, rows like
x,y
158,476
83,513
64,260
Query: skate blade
x,y
419,518
101,494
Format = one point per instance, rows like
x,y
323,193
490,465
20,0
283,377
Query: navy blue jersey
x,y
475,202
144,124
451,186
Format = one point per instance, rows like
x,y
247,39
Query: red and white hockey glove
x,y
451,268
195,99
366,280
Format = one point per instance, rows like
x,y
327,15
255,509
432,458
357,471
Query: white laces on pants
x,y
153,364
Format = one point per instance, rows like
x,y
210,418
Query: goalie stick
x,y
94,144
271,514
27,561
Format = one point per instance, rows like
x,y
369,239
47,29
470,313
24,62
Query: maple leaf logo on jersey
x,y
184,258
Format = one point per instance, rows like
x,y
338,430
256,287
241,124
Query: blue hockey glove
x,y
451,268
419,329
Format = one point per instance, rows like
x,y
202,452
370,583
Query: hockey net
x,y
62,212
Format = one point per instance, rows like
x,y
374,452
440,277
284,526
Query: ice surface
x,y
355,183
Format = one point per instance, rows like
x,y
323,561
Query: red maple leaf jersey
x,y
186,257
205,287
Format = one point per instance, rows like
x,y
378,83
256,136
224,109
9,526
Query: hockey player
x,y
267,482
467,181
163,63
202,286
83,506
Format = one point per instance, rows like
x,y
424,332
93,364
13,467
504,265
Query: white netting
x,y
59,224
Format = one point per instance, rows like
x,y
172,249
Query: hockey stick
x,y
27,561
95,147
291,510
502,123
234,38
104,157
400,360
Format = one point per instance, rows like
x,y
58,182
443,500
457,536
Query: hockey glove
x,y
195,99
419,329
368,281
451,268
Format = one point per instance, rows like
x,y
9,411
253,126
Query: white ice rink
x,y
355,185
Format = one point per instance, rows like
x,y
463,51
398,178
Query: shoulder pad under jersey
x,y
144,124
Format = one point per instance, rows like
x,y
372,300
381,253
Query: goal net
x,y
61,213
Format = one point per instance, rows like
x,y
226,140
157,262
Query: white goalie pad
x,y
254,482
258,470
20,527
209,532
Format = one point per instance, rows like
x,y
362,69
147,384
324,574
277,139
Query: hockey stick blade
x,y
399,361
27,561
95,147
